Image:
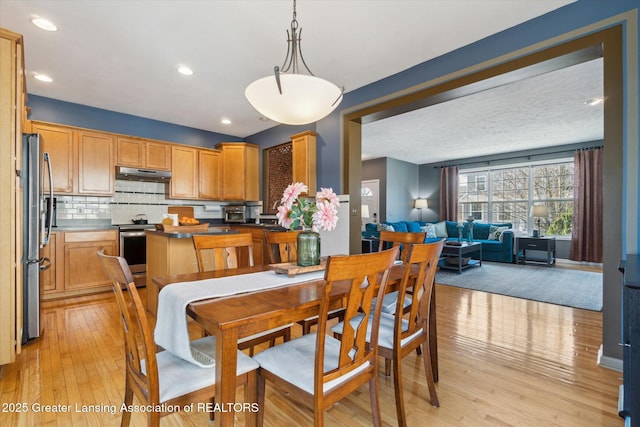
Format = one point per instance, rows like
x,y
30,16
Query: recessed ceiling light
x,y
44,24
183,69
43,78
595,101
225,121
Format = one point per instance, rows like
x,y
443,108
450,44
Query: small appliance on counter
x,y
235,214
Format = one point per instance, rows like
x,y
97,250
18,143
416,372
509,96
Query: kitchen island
x,y
171,253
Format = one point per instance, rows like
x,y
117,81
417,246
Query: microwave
x,y
235,214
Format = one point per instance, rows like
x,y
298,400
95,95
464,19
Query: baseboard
x,y
609,362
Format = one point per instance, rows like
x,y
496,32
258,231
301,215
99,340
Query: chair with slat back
x,y
404,240
162,379
399,335
282,248
220,252
318,370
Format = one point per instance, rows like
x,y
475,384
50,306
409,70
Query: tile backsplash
x,y
130,199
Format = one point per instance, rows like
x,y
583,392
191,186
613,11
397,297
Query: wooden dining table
x,y
232,317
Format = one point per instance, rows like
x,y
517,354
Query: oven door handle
x,y
132,233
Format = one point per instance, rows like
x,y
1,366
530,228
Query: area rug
x,y
555,285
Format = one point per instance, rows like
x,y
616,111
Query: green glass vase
x,y
308,250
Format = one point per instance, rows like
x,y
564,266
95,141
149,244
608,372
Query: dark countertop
x,y
178,235
88,227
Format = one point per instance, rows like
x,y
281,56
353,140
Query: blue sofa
x,y
492,250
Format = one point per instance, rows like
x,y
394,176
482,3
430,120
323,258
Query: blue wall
x,y
52,110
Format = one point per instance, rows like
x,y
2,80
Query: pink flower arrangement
x,y
296,211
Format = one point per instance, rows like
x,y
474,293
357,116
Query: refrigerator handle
x,y
49,215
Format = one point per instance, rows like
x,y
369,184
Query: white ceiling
x,y
122,56
542,111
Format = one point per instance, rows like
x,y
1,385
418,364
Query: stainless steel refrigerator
x,y
36,228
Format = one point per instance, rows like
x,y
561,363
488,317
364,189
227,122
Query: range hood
x,y
135,174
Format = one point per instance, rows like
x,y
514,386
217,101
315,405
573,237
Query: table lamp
x,y
538,212
421,204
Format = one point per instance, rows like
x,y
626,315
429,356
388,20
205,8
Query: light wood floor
x,y
503,362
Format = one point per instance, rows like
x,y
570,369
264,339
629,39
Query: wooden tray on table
x,y
291,269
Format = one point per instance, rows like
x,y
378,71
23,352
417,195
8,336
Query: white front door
x,y
370,194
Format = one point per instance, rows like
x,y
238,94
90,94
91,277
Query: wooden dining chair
x,y
399,335
220,252
282,247
403,240
157,379
316,369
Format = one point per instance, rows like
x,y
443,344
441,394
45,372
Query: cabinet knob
x,y
626,344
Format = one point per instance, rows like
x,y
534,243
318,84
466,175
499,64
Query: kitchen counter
x,y
183,235
88,227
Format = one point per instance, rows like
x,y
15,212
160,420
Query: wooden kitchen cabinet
x,y
96,166
58,142
76,269
48,277
240,171
259,245
195,173
142,153
12,96
82,160
209,175
304,160
184,172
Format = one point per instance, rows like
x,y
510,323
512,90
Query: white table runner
x,y
171,330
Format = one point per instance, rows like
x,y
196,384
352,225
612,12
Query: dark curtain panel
x,y
586,234
449,193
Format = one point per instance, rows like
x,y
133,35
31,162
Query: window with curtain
x,y
507,193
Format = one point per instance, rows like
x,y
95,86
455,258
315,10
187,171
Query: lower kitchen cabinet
x,y
259,244
75,267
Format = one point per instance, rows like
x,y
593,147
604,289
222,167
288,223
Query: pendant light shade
x,y
290,97
304,99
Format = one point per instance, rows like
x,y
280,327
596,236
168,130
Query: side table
x,y
543,244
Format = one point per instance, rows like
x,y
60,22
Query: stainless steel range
x,y
133,246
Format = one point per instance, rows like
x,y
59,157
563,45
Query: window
x,y
507,195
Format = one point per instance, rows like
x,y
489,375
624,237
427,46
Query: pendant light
x,y
289,96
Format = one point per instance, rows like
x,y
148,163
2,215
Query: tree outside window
x,y
507,194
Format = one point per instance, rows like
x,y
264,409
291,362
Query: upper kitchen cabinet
x,y
184,172
96,165
240,171
195,173
82,160
209,174
58,142
143,154
304,159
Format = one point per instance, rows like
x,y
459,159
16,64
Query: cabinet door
x,y
209,174
48,276
58,142
82,267
240,171
96,166
158,156
184,173
130,152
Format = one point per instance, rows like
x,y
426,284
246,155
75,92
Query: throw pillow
x,y
430,229
441,229
388,227
495,233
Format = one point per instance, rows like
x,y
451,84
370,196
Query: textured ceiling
x,y
541,111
